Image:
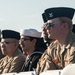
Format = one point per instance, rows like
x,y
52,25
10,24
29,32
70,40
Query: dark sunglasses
x,y
50,25
24,39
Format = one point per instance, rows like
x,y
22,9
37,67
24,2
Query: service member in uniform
x,y
1,55
33,46
44,31
61,52
14,58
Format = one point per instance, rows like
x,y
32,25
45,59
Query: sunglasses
x,y
24,39
50,25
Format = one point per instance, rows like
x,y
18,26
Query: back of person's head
x,y
40,44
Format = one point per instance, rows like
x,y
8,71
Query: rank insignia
x,y
51,15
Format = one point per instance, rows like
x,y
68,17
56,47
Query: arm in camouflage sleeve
x,y
71,53
45,63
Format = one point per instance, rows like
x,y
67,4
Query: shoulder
x,y
18,54
19,57
3,59
53,44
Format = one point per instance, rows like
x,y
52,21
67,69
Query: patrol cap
x,y
10,34
44,17
59,12
30,32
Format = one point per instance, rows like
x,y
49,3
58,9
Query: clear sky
x,y
18,14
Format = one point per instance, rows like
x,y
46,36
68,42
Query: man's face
x,y
44,31
8,46
54,28
25,44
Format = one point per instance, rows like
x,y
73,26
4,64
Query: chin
x,y
49,36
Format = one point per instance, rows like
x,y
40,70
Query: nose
x,y
43,29
2,44
21,42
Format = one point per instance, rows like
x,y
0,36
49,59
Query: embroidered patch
x,y
50,14
42,59
55,60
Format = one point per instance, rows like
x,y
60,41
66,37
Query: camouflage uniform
x,y
12,64
57,57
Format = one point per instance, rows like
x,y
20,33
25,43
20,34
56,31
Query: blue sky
x,y
18,14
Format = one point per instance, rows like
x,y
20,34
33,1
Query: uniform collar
x,y
70,39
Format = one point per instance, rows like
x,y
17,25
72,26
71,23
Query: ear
x,y
64,26
34,41
16,44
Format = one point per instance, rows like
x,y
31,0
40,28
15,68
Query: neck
x,y
62,39
30,51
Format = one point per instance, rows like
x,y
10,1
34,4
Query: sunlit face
x,y
54,29
44,31
8,46
25,43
